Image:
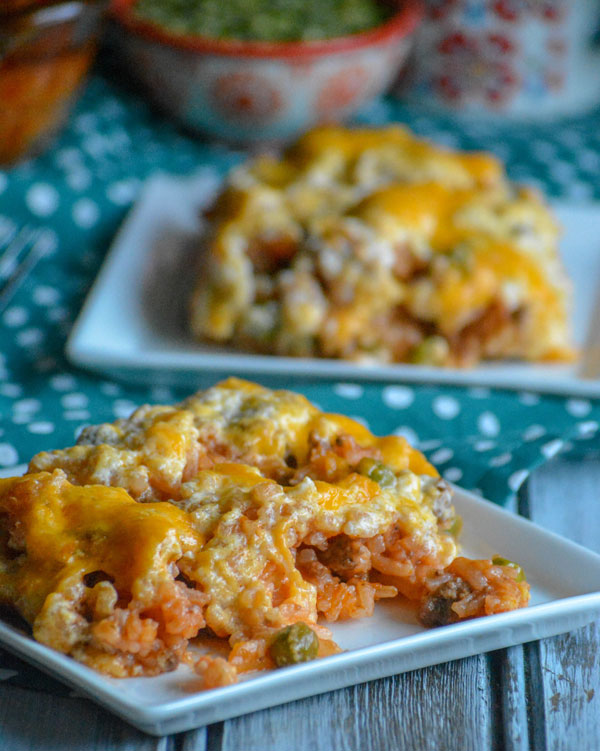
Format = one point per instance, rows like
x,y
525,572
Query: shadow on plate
x,y
174,262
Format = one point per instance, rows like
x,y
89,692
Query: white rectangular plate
x,y
564,579
133,324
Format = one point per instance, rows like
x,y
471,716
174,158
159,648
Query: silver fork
x,y
20,251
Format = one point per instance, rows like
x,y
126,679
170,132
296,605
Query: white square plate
x,y
564,580
133,324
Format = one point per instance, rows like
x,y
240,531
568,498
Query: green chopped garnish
x,y
456,527
265,20
499,561
377,471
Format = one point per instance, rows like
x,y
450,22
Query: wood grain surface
x,y
543,695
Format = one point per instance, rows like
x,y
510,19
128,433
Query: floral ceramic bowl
x,y
525,60
248,91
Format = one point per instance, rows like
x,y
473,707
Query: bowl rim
x,y
402,23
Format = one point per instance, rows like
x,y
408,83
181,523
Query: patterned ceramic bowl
x,y
528,59
248,91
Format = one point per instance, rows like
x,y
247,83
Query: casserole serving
x,y
225,533
375,246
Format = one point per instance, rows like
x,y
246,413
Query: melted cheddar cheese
x,y
236,513
375,245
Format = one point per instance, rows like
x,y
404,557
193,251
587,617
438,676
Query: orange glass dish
x,y
46,48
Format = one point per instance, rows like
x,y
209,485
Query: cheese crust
x,y
373,245
223,520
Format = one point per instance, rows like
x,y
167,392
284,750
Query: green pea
x,y
366,465
499,561
433,350
294,644
377,471
455,528
462,257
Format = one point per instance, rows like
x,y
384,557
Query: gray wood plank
x,y
441,708
195,740
31,721
508,671
570,667
509,684
564,498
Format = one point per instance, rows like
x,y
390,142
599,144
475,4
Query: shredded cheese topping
x,y
375,245
234,514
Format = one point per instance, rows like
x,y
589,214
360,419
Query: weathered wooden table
x,y
543,695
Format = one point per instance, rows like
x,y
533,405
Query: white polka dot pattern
x,y
552,448
488,424
30,337
348,390
446,407
441,456
453,474
517,479
15,317
430,445
484,445
85,213
533,432
398,397
123,407
8,455
42,199
500,460
74,401
40,426
11,390
578,407
77,414
63,382
587,429
43,295
529,399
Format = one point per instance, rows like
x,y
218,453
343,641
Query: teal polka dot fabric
x,y
78,193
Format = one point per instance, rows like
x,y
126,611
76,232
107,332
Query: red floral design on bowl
x,y
245,96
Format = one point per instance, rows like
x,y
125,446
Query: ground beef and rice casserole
x,y
242,517
373,245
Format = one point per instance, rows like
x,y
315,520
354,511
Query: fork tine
x,y
42,244
8,229
8,259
